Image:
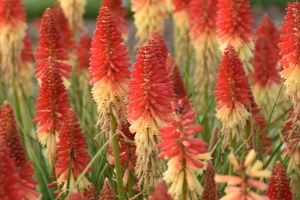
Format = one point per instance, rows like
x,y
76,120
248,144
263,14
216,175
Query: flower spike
x,y
160,192
50,44
13,31
109,70
83,54
186,155
10,136
233,95
106,192
146,111
52,103
211,191
71,148
278,184
234,28
9,177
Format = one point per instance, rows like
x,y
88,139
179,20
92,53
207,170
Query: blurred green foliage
x,y
35,8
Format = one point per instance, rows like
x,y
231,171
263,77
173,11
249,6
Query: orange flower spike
x,y
161,44
109,70
186,155
106,192
149,16
51,44
63,27
118,13
9,177
146,111
234,23
13,31
10,136
233,95
51,104
278,184
290,47
83,52
71,148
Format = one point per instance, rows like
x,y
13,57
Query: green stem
x,y
4,90
119,176
130,185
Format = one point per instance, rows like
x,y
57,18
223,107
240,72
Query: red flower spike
x,y
109,69
146,111
71,148
51,105
10,136
278,184
203,16
186,155
160,192
268,29
234,23
106,192
27,52
75,195
63,27
118,13
211,191
290,51
233,95
127,150
12,29
9,177
83,54
90,193
161,45
51,44
178,85
150,80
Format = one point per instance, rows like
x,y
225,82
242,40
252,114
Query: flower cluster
x,y
186,155
234,27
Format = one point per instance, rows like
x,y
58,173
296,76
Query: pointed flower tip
x,y
50,44
160,192
278,184
106,192
83,54
211,191
75,195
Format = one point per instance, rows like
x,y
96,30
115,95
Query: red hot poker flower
x,y
71,148
233,95
13,30
160,192
118,13
278,184
50,106
290,51
106,192
10,136
234,27
9,177
109,69
51,44
186,155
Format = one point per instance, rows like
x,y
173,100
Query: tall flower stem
x,y
130,185
113,126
